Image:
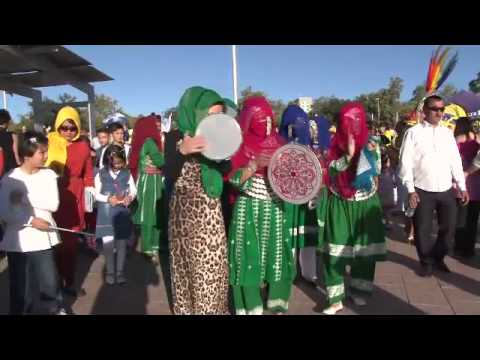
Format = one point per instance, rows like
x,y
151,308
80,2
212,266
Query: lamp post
x,y
234,70
5,100
378,110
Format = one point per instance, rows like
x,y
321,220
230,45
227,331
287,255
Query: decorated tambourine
x,y
223,136
295,174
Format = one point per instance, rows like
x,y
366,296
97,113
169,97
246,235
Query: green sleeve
x,y
237,177
339,165
155,155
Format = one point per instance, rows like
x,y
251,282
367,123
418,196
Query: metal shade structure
x,y
25,68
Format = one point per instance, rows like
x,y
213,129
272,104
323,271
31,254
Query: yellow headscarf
x,y
453,112
57,145
390,134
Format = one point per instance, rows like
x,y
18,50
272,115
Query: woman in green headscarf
x,y
196,230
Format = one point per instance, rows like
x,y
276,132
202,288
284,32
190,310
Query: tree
x,y
448,91
418,94
387,99
278,106
25,121
474,85
328,107
66,98
47,108
104,106
247,92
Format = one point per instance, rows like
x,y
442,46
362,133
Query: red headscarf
x,y
253,121
353,121
144,129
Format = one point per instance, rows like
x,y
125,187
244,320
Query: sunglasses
x,y
434,109
68,128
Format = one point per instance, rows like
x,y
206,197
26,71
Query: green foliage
x,y
104,106
474,85
278,106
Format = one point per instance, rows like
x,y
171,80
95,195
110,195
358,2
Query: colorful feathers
x,y
437,71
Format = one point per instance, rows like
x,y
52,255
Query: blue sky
x,y
152,78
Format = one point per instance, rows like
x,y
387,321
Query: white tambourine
x,y
223,136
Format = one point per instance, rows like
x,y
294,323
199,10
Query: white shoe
x,y
121,279
358,300
61,312
110,279
333,309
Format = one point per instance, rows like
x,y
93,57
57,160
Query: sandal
x,y
333,309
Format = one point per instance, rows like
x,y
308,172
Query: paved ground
x,y
398,290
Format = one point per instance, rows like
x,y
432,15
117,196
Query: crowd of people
x,y
234,245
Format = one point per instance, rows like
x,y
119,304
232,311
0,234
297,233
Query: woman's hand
x,y
40,224
350,147
148,161
263,160
112,200
191,145
127,201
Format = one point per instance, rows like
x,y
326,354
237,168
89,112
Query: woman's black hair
x,y
463,126
29,143
113,151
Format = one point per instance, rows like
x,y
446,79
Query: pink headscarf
x,y
353,121
254,117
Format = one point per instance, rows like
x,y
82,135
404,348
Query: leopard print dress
x,y
198,248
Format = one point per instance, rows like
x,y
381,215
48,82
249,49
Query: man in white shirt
x,y
429,164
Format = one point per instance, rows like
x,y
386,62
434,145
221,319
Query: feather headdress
x,y
437,74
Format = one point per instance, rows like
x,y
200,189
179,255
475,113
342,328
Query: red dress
x,y
77,174
2,162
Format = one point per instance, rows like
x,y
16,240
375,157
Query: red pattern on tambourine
x,y
295,174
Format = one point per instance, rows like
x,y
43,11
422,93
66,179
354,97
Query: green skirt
x,y
147,210
260,249
301,225
351,230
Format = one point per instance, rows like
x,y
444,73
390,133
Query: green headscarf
x,y
192,109
232,108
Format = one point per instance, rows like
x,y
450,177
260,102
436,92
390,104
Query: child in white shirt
x,y
28,198
115,190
